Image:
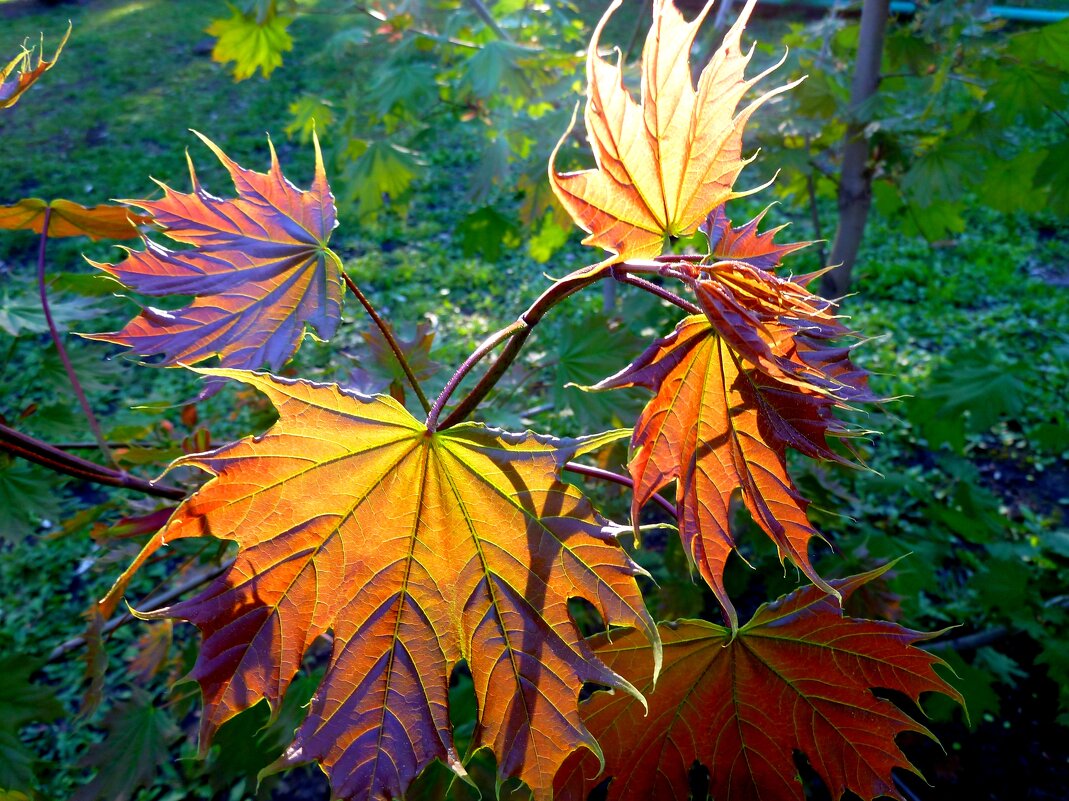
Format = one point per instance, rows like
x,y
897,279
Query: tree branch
x,y
34,450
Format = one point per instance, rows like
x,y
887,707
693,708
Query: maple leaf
x,y
744,243
138,733
663,164
715,426
417,550
260,269
13,88
72,219
251,42
799,676
21,703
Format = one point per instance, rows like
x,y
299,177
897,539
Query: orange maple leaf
x,y
664,163
417,550
259,267
798,677
71,219
11,89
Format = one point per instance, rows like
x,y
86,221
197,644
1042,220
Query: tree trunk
x,y
855,183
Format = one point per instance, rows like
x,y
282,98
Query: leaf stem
x,y
42,287
516,334
34,450
391,340
617,478
518,331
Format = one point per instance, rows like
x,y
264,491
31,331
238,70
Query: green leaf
x,y
382,172
1027,92
21,702
308,114
1009,184
251,43
942,172
248,743
588,349
27,496
1054,173
486,233
135,745
1049,44
494,69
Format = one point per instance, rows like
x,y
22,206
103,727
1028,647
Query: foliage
x,y
966,114
744,286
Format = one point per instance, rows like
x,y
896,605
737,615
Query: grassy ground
x,y
983,514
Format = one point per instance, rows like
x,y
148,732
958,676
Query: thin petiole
x,y
76,385
391,340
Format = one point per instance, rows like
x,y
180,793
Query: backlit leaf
x,y
664,163
417,550
20,73
72,219
799,676
715,426
745,243
259,267
252,43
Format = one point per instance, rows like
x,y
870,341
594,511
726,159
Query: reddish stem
x,y
34,450
517,332
391,340
617,478
76,385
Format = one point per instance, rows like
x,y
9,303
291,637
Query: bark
x,y
855,184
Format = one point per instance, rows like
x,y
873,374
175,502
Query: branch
x,y
42,288
517,332
616,478
194,581
391,340
483,13
34,450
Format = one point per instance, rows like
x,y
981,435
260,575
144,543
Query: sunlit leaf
x,y
666,162
259,267
798,677
417,550
72,219
21,73
252,43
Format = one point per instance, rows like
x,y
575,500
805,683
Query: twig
x,y
660,292
387,333
616,478
163,598
76,385
483,13
517,333
34,450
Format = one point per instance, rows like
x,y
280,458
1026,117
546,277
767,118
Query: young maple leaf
x,y
715,426
744,243
417,550
665,163
13,88
798,677
259,267
72,219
